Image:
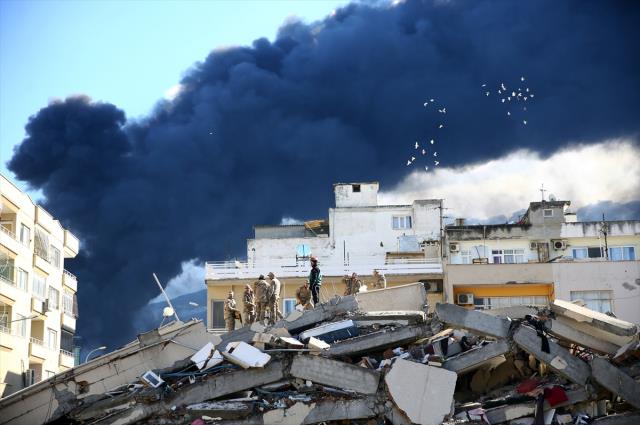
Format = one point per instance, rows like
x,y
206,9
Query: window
x,y
52,339
622,253
6,269
5,317
48,374
54,298
355,187
590,252
39,286
288,305
55,256
401,222
508,256
465,256
488,303
547,213
25,235
67,303
217,314
66,341
41,248
23,279
21,325
595,300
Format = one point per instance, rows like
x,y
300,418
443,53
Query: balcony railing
x,y
36,341
8,233
8,274
66,353
285,268
42,253
69,274
5,330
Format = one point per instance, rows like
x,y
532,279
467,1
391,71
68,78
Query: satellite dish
x,y
167,312
552,197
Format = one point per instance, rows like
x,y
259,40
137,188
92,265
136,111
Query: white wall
x,y
620,277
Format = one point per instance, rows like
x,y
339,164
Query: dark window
x,y
66,341
356,187
217,314
595,252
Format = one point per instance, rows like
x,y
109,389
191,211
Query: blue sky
x,y
124,52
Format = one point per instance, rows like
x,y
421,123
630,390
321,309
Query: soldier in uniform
x,y
379,281
274,300
303,296
261,289
249,300
230,312
352,284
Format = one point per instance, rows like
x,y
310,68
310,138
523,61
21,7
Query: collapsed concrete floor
x,y
373,358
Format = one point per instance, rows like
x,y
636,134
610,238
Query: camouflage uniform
x,y
230,312
261,289
249,308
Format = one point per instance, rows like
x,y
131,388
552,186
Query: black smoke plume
x,y
263,131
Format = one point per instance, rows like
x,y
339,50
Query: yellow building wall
x,y
506,290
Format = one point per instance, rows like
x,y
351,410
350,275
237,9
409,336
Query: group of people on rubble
x,y
262,301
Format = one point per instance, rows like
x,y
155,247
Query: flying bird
x,y
525,122
443,110
417,145
408,163
431,100
508,113
521,78
426,168
413,158
440,126
424,151
425,104
487,93
436,162
484,85
432,141
435,154
502,86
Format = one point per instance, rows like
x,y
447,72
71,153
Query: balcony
x,y
70,280
71,245
37,348
39,306
44,219
8,289
7,340
282,268
68,321
9,239
66,359
41,261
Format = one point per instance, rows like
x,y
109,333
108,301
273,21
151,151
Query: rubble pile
x,y
373,358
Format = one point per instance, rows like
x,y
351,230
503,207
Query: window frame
x,y
22,283
35,293
544,213
291,302
401,222
54,298
55,257
596,304
214,314
24,227
622,248
52,343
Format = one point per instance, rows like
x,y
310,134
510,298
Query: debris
x,y
244,355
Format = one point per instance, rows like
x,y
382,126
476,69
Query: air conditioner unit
x,y
433,286
45,305
465,299
559,244
38,305
29,377
454,247
533,246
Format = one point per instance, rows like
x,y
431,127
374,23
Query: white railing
x,y
69,274
219,270
36,341
8,232
66,353
5,330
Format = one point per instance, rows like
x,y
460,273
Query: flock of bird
x,y
513,99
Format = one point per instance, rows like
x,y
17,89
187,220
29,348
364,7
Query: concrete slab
x,y
423,393
404,297
558,359
335,374
340,410
472,320
322,312
564,330
595,318
379,340
616,381
475,358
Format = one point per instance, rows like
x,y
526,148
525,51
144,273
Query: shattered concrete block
x,y
423,393
472,320
335,374
404,297
379,340
317,346
244,355
340,410
559,359
476,357
220,409
616,381
293,415
207,357
390,317
595,318
291,342
322,312
628,418
565,331
333,331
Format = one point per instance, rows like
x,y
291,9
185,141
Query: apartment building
x,y
358,235
38,308
547,254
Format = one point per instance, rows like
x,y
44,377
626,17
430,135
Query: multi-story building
x,y
546,255
38,308
359,235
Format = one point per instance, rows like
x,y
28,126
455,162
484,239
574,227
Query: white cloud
x,y
290,220
190,279
583,174
173,91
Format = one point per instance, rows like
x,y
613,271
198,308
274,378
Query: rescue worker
x,y
230,312
379,281
315,280
261,289
353,285
303,296
249,308
274,301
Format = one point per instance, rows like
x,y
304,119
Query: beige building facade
x,y
38,307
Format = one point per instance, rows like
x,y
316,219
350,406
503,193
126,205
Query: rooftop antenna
x,y
166,298
542,191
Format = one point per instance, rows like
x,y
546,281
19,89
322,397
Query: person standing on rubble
x,y
275,293
303,296
249,308
315,280
261,289
379,281
230,312
353,285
